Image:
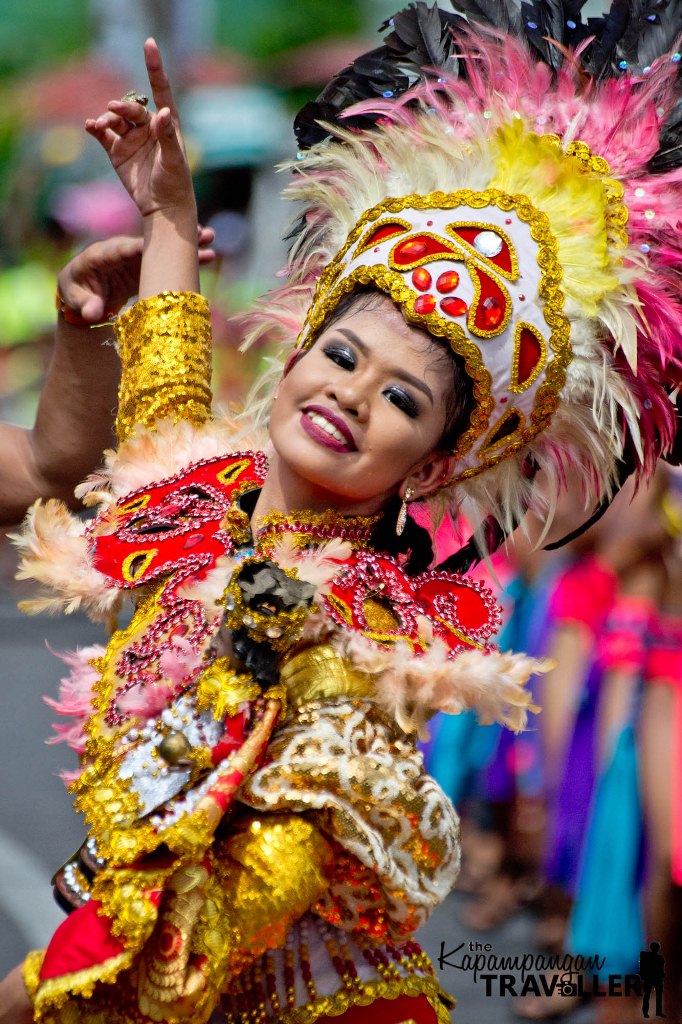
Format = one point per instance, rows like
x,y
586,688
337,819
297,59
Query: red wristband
x,y
73,317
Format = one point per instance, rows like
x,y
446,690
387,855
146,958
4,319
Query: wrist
x,y
181,214
170,262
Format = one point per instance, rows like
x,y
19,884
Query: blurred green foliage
x,y
64,30
270,27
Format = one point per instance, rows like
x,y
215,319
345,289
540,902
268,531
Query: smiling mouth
x,y
323,429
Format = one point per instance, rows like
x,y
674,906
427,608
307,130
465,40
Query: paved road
x,y
38,829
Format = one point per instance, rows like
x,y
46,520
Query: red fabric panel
x,y
387,1011
82,940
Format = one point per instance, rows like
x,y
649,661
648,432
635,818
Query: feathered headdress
x,y
511,177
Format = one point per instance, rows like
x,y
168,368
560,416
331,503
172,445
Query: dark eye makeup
x,y
403,400
342,355
345,357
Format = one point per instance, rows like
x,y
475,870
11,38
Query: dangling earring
x,y
402,515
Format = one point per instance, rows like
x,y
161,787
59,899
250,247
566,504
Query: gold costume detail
x,y
169,985
301,526
367,993
511,274
319,672
340,762
266,876
30,970
221,689
165,347
268,994
215,923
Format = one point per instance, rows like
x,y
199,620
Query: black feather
x,y
629,37
421,39
504,15
544,24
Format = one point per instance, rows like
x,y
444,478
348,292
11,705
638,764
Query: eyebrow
x,y
401,374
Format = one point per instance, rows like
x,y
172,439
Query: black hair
x,y
412,548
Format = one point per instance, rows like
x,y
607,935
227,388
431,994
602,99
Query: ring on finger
x,y
140,124
135,97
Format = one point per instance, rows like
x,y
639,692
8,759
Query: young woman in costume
x,y
262,833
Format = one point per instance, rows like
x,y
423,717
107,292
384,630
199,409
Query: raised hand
x,y
146,148
105,275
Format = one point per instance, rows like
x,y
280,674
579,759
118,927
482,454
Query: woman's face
x,y
362,412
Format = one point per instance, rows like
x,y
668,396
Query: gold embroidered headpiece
x,y
480,271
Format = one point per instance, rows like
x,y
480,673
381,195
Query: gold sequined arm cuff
x,y
165,348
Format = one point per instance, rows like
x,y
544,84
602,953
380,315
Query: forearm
x,y
170,261
165,339
74,423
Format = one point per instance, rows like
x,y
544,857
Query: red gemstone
x,y
424,304
492,311
411,250
453,306
421,279
448,281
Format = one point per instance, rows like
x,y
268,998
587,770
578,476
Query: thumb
x,y
93,308
165,127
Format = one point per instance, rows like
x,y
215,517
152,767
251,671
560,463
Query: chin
x,y
318,474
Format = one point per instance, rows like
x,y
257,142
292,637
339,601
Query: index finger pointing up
x,y
161,90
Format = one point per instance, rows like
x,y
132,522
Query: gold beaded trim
x,y
136,505
366,993
471,317
221,689
514,384
303,528
365,242
53,993
490,443
30,970
110,806
430,257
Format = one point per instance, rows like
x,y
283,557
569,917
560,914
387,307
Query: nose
x,y
350,396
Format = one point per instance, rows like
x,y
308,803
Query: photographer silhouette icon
x,y
652,973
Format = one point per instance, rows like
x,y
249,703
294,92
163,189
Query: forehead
x,y
379,325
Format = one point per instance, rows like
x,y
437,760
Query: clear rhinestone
x,y
488,243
